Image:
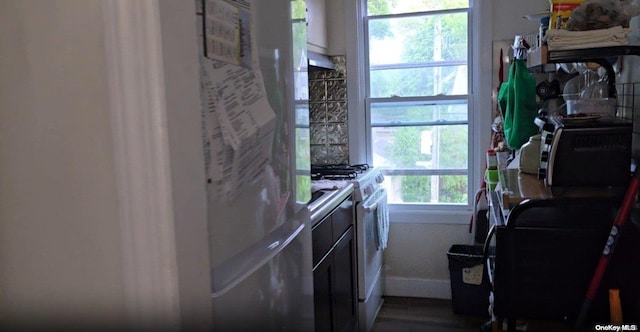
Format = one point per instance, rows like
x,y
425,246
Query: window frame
x,y
480,97
435,99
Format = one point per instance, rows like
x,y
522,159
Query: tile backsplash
x,y
328,115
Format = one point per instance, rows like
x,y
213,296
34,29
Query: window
x,y
417,99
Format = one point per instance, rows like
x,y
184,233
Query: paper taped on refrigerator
x,y
239,127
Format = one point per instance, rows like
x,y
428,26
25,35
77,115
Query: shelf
x,y
542,56
600,55
591,54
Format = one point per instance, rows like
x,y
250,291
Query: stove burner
x,y
345,176
339,167
361,167
337,171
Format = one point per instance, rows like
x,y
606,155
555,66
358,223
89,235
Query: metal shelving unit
x,y
599,55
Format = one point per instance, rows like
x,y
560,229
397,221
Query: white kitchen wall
x,y
508,21
66,256
60,249
416,262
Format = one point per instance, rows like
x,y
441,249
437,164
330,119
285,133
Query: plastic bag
x,y
601,14
517,101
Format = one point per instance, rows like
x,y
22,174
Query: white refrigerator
x,y
255,111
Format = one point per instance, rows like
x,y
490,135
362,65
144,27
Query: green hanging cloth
x,y
517,101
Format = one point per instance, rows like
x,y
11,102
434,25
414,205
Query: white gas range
x,y
372,229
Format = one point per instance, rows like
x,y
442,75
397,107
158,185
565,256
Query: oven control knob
x,y
368,190
544,156
380,178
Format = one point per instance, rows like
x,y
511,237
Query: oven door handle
x,y
372,207
378,196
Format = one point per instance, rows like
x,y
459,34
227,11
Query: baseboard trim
x,y
416,287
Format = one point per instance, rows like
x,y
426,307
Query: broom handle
x,y
616,229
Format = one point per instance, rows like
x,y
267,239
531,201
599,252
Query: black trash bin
x,y
470,286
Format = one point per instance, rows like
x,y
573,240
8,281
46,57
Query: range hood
x,y
320,61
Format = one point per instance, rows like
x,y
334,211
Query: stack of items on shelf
x,y
590,24
559,39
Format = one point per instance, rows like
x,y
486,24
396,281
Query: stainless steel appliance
x,y
589,151
254,92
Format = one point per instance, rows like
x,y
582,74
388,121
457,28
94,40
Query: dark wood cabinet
x,y
334,272
322,276
344,289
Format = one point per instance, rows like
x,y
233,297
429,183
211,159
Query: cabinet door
x,y
343,290
317,31
336,27
342,218
322,279
321,239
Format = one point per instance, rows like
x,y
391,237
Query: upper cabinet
x,y
326,26
317,31
335,27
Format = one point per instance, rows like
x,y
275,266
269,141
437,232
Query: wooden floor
x,y
419,314
434,315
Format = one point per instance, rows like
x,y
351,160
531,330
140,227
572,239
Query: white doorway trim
x,y
142,164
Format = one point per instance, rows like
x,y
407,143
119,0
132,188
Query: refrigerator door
x,y
256,135
275,295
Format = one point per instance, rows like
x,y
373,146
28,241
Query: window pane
x,y
382,7
420,147
418,39
444,189
410,82
424,55
412,112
